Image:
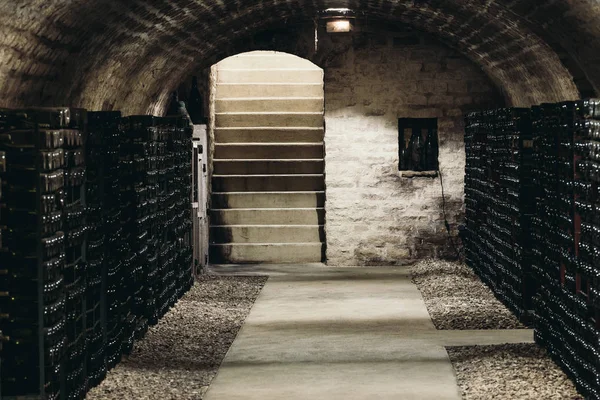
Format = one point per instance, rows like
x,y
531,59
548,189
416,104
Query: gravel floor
x,y
457,299
179,357
511,371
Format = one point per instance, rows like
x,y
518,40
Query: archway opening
x,y
268,183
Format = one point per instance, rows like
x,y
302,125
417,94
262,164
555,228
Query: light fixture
x,y
338,20
339,26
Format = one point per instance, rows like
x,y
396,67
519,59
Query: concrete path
x,y
339,333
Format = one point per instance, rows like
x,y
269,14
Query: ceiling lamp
x,y
338,20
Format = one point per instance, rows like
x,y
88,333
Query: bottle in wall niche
x,y
195,105
416,143
404,160
430,151
407,153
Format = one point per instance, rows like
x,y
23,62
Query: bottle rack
x,y
138,144
109,250
555,228
497,185
40,233
103,214
567,314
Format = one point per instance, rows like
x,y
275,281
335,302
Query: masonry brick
x,y
129,55
402,219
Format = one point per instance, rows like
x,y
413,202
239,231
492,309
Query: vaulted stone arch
x,y
129,55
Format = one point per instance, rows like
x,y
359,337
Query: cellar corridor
x,y
417,216
342,333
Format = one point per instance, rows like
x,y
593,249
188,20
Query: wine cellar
x,y
266,200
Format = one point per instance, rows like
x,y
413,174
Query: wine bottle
x,y
402,156
415,146
431,150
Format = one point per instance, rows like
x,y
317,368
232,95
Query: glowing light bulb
x,y
339,26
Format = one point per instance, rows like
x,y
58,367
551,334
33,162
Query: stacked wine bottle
x,y
567,267
95,245
42,271
181,227
497,188
477,191
138,141
103,218
550,222
75,271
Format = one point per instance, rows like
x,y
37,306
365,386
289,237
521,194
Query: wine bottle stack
x,y
103,215
155,305
139,196
477,128
166,204
182,228
158,191
498,212
567,252
95,242
75,271
176,258
108,125
41,262
533,231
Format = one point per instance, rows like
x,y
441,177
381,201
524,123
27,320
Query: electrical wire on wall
x,y
446,223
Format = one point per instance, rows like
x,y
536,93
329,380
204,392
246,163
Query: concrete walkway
x,y
340,333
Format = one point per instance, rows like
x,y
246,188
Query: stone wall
x,y
374,216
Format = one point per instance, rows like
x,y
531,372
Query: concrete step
x,y
266,61
280,253
265,89
268,199
268,183
268,167
270,75
276,119
269,135
267,234
269,151
267,216
270,104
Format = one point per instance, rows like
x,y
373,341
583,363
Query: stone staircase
x,y
268,183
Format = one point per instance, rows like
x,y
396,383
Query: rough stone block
x,y
440,100
374,216
459,87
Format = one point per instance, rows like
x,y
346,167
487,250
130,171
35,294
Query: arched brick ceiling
x,y
128,55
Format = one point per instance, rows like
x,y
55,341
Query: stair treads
x,y
290,199
268,216
281,253
267,234
271,151
268,183
276,119
269,135
268,167
262,89
272,104
268,178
